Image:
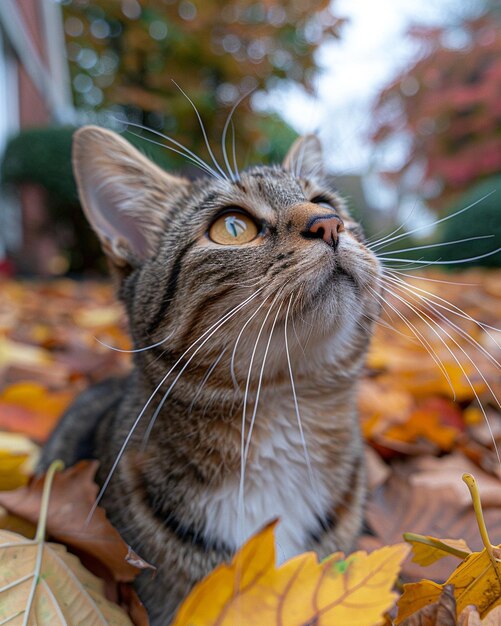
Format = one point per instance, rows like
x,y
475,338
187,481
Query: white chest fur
x,y
279,483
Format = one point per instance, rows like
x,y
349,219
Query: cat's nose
x,y
326,227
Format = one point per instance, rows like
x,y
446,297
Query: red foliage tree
x,y
448,106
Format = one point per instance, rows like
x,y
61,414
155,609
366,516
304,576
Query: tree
x,y
129,53
447,107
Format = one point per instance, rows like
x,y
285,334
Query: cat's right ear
x,y
123,194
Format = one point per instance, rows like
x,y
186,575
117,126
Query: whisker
x,y
210,331
440,244
205,169
260,381
206,378
234,175
435,280
311,477
420,337
153,345
234,151
237,341
241,501
463,333
455,261
460,365
452,308
394,232
202,128
441,220
184,151
178,376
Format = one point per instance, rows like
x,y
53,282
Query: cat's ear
x,y
305,157
123,194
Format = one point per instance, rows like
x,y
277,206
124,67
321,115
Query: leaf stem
x,y
437,544
471,483
54,467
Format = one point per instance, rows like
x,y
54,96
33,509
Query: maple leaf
x,y
353,591
67,518
41,583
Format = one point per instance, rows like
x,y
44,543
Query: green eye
x,y
233,228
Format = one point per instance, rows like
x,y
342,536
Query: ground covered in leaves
x,y
428,412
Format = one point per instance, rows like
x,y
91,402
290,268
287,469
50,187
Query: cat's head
x,y
275,241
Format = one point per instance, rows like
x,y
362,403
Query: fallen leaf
x,y
427,550
424,424
446,472
440,613
32,409
402,505
67,518
476,581
250,591
57,590
18,456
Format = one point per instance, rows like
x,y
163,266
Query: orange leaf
x,y
355,591
31,409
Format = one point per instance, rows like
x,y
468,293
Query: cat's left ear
x,y
124,196
305,157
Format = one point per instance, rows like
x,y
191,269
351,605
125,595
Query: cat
x,y
250,300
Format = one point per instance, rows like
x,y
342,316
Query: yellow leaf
x,y
355,591
18,456
97,317
475,581
427,550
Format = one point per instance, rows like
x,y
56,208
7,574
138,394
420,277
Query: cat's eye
x,y
233,228
324,201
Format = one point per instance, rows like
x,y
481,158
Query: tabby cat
x,y
250,304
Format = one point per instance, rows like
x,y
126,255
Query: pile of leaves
x,y
429,416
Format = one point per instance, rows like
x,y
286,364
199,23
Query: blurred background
x,y
405,96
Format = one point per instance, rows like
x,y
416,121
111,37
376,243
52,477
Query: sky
x,y
372,49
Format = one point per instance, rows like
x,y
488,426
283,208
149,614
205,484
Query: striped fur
x,y
176,497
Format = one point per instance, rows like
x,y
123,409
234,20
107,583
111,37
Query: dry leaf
x,y
64,592
441,613
476,581
72,496
427,550
401,506
447,471
251,591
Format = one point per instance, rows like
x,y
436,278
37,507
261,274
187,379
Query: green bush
x,y
482,219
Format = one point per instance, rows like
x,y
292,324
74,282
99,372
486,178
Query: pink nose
x,y
326,227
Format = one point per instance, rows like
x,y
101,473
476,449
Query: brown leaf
x,y
408,504
73,494
129,600
446,472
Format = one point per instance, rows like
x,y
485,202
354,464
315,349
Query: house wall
x,y
32,108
